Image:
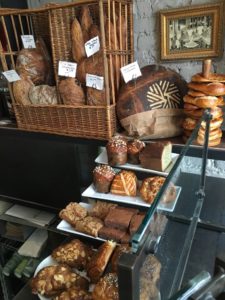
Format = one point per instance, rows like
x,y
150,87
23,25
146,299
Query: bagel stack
x,y
206,90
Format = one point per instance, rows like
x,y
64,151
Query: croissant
x,y
124,184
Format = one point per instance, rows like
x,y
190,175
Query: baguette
x,y
78,50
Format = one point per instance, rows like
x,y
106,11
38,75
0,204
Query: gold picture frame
x,y
193,32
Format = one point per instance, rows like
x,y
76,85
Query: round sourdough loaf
x,y
21,90
151,104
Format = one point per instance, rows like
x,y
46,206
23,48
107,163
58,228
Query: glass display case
x,y
187,240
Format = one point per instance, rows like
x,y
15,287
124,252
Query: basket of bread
x,y
48,99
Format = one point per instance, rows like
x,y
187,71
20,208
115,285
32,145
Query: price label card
x,y
11,75
131,71
67,69
28,41
92,46
94,81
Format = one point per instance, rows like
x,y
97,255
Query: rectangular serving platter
x,y
90,192
103,159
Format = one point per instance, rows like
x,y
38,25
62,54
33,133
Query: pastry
x,y
116,151
120,217
89,225
106,288
150,188
211,143
73,212
135,222
74,253
98,263
125,248
52,280
197,113
133,150
156,156
102,178
74,293
100,209
189,123
109,233
124,184
215,123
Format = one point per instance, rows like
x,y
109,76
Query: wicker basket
x,y
53,24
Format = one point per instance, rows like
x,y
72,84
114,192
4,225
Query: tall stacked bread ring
x,y
206,90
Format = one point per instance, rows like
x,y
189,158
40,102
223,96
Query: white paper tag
x,y
11,75
28,41
67,69
94,81
92,46
131,71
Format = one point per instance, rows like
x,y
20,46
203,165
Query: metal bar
x,y
179,275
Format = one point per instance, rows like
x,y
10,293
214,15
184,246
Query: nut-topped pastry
x,y
74,293
106,288
74,253
73,213
117,151
102,178
133,150
51,280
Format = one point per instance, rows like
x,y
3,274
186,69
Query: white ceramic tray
x,y
90,192
103,159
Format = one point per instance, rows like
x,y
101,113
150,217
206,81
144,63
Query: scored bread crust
x,y
211,89
124,184
211,78
98,263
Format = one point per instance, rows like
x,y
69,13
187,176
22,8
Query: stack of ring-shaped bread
x,y
205,91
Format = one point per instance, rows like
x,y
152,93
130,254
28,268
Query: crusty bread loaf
x,y
99,261
78,49
43,94
91,65
32,64
94,31
156,156
21,91
106,288
150,92
211,89
203,102
71,93
86,20
96,97
124,184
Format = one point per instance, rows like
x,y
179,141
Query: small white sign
x,y
11,75
28,41
131,71
67,69
92,46
94,81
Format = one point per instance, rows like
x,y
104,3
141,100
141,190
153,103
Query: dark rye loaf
x,y
157,88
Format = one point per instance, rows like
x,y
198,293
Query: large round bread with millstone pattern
x,y
157,88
